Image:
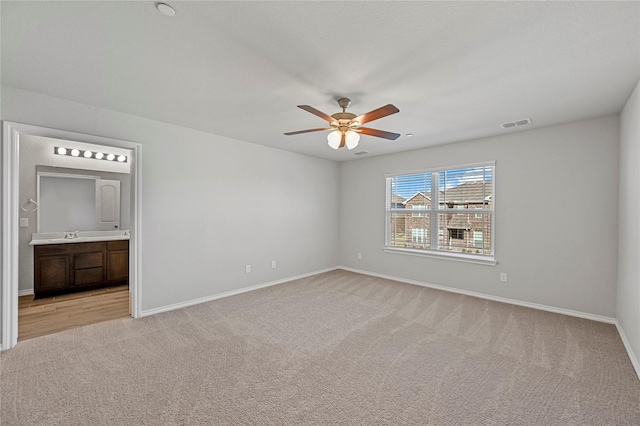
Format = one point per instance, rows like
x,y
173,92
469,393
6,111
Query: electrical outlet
x,y
273,264
503,277
247,269
359,256
24,222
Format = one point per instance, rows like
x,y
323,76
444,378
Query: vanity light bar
x,y
73,152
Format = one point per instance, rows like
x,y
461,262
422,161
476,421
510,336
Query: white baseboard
x,y
554,309
627,346
229,293
26,292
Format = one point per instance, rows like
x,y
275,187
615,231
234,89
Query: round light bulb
x,y
352,139
61,151
99,155
88,154
75,152
122,158
334,139
110,157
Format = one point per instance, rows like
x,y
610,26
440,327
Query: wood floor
x,y
54,314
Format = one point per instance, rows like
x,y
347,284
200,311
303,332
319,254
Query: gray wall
x,y
210,204
556,197
628,308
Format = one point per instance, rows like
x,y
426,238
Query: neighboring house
x,y
466,231
417,223
398,222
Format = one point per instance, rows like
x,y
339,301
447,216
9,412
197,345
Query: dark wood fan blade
x,y
307,131
376,114
343,140
378,133
320,114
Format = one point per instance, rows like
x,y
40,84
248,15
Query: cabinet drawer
x,y
89,276
118,245
88,260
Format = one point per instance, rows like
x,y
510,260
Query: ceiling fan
x,y
346,126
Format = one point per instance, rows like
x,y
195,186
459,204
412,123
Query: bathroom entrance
x,y
89,268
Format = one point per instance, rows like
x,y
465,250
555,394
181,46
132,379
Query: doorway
x,y
12,133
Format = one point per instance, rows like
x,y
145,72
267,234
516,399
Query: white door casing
x,y
10,220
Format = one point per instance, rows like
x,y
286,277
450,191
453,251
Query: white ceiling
x,y
456,70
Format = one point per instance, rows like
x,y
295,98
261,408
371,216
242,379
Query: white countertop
x,y
77,237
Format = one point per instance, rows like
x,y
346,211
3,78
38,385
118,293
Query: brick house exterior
x,y
462,232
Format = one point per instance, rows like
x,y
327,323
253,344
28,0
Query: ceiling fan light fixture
x,y
352,139
334,139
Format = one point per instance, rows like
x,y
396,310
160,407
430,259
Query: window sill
x,y
488,261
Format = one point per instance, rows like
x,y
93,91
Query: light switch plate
x,y
24,222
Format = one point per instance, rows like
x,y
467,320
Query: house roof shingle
x,y
468,192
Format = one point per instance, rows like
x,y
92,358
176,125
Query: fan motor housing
x,y
347,116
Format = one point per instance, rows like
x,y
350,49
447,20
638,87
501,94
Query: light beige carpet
x,y
336,348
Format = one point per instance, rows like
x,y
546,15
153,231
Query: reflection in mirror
x,y
70,202
67,202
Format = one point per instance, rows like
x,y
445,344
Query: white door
x,y
107,204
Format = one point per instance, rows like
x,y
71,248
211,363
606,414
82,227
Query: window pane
x,y
465,233
409,187
408,231
465,188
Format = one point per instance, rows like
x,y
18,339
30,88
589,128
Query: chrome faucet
x,y
71,234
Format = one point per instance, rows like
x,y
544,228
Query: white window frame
x,y
434,212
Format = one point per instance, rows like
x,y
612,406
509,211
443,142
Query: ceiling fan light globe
x,y
352,139
334,139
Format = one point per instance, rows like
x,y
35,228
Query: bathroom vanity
x,y
78,263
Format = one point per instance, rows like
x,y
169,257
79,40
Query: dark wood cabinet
x,y
117,261
71,267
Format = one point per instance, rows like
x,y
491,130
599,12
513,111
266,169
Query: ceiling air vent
x,y
516,123
361,153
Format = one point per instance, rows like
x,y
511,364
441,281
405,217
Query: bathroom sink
x,y
77,237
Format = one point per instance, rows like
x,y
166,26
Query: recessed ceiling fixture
x,y
516,123
59,150
409,135
346,126
165,9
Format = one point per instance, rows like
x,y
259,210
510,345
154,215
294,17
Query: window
x,y
477,238
441,228
420,207
418,236
456,234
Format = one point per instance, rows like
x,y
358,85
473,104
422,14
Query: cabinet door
x,y
118,265
52,273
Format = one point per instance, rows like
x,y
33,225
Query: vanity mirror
x,y
77,202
